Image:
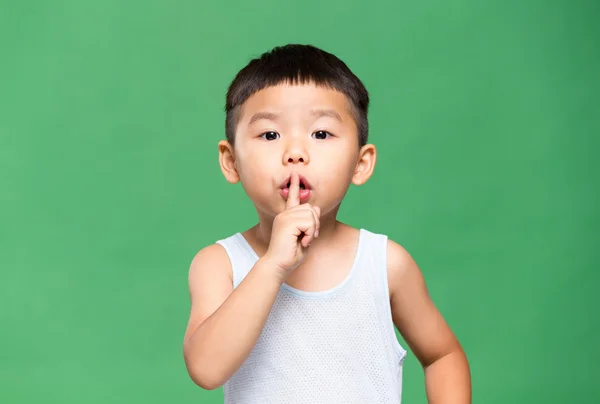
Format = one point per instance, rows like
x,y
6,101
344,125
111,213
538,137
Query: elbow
x,y
205,381
205,378
203,375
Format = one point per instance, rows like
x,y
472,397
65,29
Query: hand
x,y
293,230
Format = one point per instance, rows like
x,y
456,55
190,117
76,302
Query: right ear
x,y
227,162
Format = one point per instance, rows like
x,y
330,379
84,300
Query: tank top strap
x,y
375,248
242,259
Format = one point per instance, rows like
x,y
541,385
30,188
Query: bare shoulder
x,y
401,266
211,260
209,282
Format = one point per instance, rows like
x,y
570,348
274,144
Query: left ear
x,y
365,164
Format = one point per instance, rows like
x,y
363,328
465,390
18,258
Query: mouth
x,y
304,184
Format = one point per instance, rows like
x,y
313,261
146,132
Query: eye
x,y
321,134
270,135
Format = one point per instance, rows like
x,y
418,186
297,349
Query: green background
x,y
485,114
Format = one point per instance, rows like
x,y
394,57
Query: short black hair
x,y
297,64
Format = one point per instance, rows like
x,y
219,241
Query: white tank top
x,y
332,347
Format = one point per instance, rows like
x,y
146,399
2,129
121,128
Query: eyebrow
x,y
318,113
271,116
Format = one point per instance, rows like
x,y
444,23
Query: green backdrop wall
x,y
485,114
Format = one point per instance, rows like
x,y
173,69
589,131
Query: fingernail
x,y
316,233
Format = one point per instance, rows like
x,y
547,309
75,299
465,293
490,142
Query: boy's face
x,y
303,128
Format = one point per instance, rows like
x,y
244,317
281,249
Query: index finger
x,y
293,198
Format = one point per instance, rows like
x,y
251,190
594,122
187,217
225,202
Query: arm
x,y
224,324
447,374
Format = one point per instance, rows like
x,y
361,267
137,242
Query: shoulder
x,y
401,267
398,258
210,261
209,283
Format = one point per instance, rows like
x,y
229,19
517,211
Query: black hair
x,y
297,64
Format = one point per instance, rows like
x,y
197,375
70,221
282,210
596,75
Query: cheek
x,y
256,169
257,174
338,181
339,177
339,162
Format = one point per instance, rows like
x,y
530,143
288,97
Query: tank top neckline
x,y
316,294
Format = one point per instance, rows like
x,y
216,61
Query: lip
x,y
302,179
304,195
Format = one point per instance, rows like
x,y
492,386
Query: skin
x,y
311,131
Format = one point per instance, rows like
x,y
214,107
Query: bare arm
x,y
447,374
224,324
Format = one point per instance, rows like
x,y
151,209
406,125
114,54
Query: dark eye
x,y
321,134
270,135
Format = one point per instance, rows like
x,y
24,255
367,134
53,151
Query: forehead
x,y
296,98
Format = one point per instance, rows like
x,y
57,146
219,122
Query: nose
x,y
295,153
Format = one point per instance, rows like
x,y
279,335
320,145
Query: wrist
x,y
271,269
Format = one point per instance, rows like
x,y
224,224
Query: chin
x,y
268,209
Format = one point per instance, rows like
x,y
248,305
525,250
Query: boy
x,y
301,308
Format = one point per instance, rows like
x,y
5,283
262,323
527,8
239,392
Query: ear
x,y
227,162
365,164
